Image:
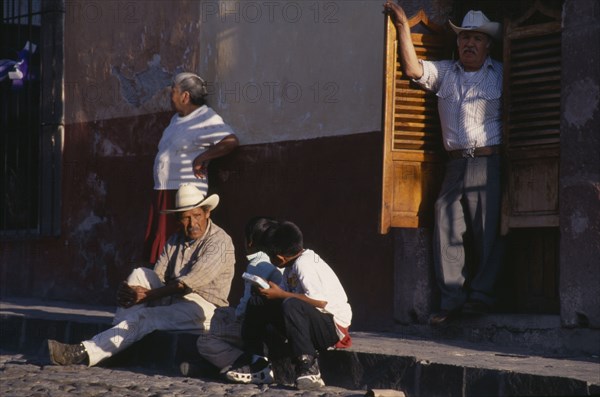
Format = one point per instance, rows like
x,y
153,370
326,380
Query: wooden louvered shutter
x,y
532,53
413,157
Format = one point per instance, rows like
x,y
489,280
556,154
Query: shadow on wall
x,y
333,196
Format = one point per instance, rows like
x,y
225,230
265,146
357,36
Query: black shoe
x,y
475,307
246,371
198,367
308,375
64,354
443,317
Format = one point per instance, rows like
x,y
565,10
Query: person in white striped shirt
x,y
469,92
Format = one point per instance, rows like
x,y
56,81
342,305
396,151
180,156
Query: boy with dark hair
x,y
309,308
222,345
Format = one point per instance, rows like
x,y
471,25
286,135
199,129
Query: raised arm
x,y
406,50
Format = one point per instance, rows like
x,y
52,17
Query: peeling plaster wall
x,y
119,59
580,166
120,56
278,70
293,70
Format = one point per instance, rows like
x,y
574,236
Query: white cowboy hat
x,y
189,197
476,21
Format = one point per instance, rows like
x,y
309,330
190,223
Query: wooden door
x,y
532,52
413,153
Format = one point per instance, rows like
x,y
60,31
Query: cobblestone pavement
x,y
26,376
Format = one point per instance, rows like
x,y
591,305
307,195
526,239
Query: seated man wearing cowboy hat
x,y
469,96
191,278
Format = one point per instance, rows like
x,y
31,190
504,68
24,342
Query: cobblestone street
x,y
25,376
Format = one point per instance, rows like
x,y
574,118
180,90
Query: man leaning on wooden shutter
x,y
469,95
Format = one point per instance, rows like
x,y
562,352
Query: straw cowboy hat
x,y
189,197
476,21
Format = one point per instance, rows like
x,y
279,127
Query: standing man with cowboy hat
x,y
469,93
191,278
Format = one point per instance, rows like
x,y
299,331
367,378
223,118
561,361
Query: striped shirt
x,y
469,105
205,266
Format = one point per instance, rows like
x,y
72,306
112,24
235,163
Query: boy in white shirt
x,y
309,308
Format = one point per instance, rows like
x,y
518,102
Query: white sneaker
x,y
309,374
258,372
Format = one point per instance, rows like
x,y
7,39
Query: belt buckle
x,y
468,153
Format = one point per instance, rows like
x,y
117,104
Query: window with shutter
x,y
532,67
413,153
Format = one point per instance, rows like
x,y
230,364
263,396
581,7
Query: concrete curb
x,y
376,360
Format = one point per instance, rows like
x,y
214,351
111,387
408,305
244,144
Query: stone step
x,y
542,334
413,365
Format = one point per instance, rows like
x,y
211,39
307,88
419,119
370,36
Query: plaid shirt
x,y
470,107
205,266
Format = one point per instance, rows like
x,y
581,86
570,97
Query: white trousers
x,y
133,323
222,345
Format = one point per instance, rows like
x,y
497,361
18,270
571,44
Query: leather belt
x,y
474,152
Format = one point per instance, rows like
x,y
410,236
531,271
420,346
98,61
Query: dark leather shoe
x,y
64,354
443,317
197,368
475,307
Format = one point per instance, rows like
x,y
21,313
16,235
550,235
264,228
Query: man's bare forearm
x,y
173,288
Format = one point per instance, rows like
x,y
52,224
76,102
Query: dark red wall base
x,y
330,187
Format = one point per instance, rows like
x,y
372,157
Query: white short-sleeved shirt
x,y
312,276
182,141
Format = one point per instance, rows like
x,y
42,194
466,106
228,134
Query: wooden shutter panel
x,y
532,67
413,154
